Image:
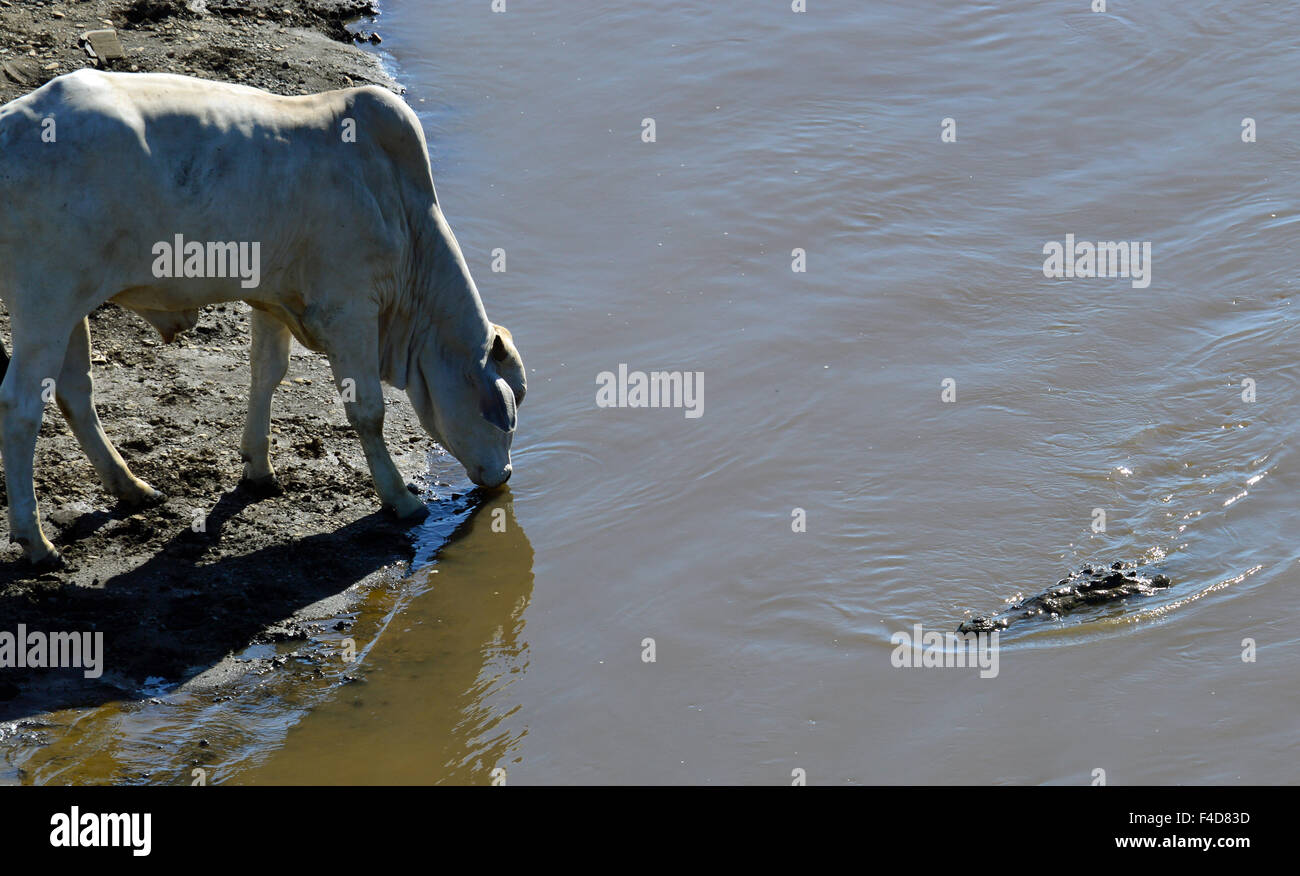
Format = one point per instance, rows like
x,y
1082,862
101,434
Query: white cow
x,y
102,174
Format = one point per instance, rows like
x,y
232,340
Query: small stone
x,y
103,45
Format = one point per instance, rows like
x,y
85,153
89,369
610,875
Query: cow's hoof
x,y
262,487
144,497
410,512
51,561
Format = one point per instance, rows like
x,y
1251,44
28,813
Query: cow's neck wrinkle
x,y
435,303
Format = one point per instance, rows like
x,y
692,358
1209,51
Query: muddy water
x,y
522,649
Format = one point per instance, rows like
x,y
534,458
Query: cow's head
x,y
466,400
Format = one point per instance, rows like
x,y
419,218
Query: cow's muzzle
x,y
491,480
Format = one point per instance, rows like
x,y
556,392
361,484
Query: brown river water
x,y
517,651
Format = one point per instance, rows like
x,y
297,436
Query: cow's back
x,y
112,162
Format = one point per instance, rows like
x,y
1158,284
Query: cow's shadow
x,y
187,607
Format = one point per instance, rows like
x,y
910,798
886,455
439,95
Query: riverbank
x,y
288,48
173,602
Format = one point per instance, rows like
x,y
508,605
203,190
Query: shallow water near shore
x,y
822,131
514,651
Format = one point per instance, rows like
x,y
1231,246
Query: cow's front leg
x,y
75,394
353,352
268,362
37,359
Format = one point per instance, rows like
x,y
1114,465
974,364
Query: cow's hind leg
x,y
75,393
37,360
268,362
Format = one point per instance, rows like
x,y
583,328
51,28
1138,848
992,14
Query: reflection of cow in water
x,y
1088,586
357,261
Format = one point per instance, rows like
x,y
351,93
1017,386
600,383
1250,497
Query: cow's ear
x,y
499,351
510,366
497,404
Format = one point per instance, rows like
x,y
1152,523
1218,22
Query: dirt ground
x,y
173,601
286,47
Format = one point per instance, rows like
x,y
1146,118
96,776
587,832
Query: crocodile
x,y
1088,586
